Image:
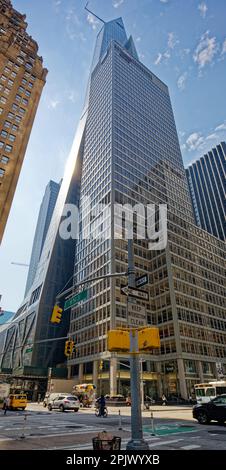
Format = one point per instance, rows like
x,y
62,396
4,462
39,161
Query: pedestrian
x,y
102,403
6,404
164,400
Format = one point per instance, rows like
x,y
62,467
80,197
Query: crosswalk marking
x,y
190,447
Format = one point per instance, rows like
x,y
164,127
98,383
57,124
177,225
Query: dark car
x,y
213,410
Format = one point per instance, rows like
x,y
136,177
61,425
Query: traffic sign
x,y
139,294
28,350
75,299
142,280
136,315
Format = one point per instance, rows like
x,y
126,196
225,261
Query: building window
x,y
2,172
28,65
3,78
11,115
25,101
18,98
4,134
30,85
15,107
6,70
16,67
1,144
33,78
22,111
13,74
27,93
18,119
3,100
4,160
24,81
7,91
12,137
21,89
8,148
20,60
7,124
1,110
15,127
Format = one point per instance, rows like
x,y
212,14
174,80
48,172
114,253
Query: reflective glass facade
x,y
206,180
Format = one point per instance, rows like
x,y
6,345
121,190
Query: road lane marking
x,y
190,447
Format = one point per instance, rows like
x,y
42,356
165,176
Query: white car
x,y
64,402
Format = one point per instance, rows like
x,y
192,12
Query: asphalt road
x,y
172,428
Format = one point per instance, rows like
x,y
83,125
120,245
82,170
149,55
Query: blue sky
x,y
181,41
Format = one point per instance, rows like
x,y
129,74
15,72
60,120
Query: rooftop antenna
x,y
100,19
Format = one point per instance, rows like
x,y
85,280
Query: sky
x,y
182,41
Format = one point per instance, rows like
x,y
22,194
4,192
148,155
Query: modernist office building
x,y
206,180
22,78
132,155
126,150
44,219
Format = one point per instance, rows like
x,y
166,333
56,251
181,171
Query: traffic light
x,y
56,315
148,339
69,347
101,365
118,340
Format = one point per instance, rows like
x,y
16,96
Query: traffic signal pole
x,y
137,442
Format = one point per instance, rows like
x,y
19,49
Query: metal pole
x,y
142,385
137,442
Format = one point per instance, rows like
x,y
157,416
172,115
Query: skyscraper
x,y
126,151
206,181
22,78
132,156
44,218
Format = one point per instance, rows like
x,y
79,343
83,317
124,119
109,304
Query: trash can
x,y
107,444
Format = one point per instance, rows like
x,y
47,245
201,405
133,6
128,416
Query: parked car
x,y
64,402
213,410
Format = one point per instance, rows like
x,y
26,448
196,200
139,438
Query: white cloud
x,y
73,96
221,127
194,141
181,81
206,50
172,40
203,9
138,39
211,136
117,3
92,21
164,1
159,59
53,104
223,47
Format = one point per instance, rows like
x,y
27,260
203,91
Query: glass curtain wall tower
x,y
132,155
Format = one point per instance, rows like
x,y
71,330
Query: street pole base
x,y
137,444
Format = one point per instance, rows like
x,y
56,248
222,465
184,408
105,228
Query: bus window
x,y
200,392
210,392
220,390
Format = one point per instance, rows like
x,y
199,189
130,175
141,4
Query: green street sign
x,y
75,299
28,350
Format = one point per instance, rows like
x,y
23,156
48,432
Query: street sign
x,y
75,299
28,350
139,294
142,280
136,315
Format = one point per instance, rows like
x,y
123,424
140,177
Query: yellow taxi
x,y
17,401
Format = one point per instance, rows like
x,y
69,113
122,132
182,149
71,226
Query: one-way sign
x,y
142,280
139,294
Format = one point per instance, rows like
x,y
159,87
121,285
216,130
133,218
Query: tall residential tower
x,y
22,78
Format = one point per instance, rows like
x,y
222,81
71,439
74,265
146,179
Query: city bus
x,y
207,391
